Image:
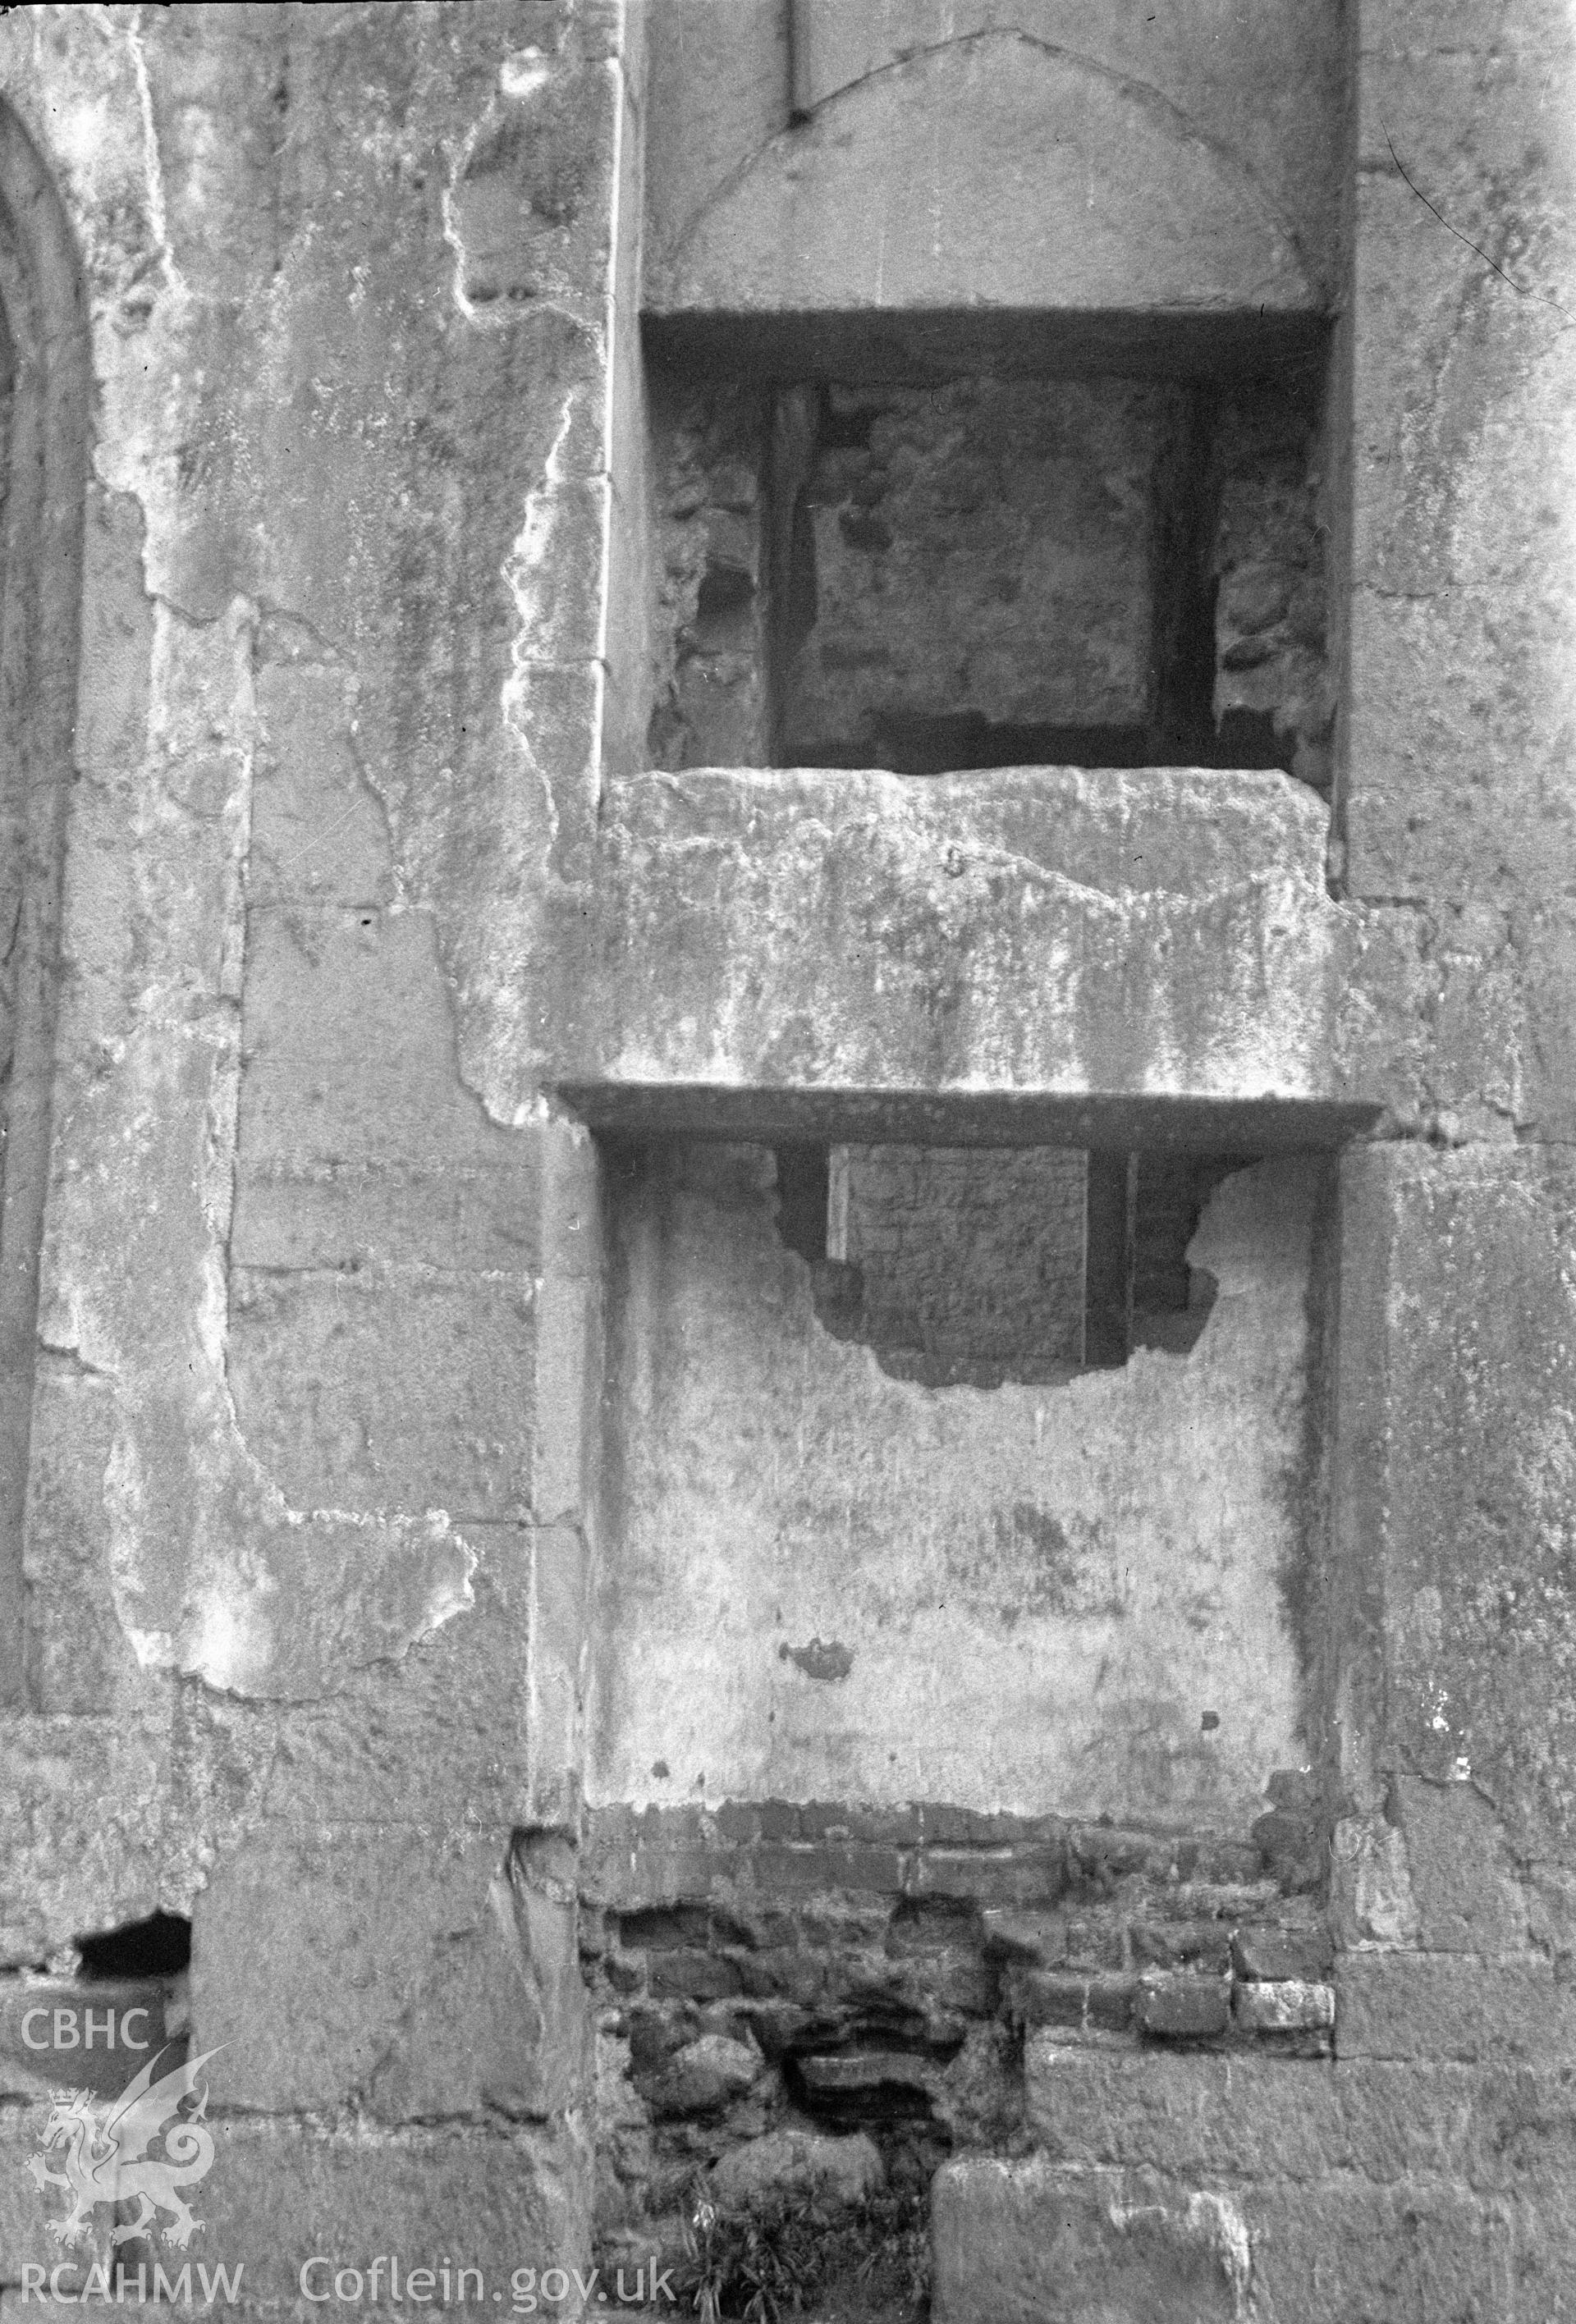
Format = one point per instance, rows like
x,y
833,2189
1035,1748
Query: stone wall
x,y
299,1553
988,572
981,555
793,1994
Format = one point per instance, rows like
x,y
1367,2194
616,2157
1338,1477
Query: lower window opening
x,y
970,1265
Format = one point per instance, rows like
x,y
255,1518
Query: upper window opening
x,y
990,572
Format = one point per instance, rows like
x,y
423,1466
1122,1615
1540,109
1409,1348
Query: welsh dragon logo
x,y
106,2142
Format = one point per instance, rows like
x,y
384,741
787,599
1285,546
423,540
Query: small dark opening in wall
x,y
802,1199
160,1946
856,2088
1110,1188
722,604
1250,738
1171,1300
968,1265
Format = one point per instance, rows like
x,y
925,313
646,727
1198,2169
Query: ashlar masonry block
x,y
1003,951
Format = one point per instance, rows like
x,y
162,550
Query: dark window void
x,y
160,1946
990,572
974,1265
804,1183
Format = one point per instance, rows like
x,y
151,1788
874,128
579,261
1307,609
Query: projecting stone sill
x,y
1041,952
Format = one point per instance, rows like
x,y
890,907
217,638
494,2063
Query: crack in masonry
x,y
459,163
221,1160
527,555
401,901
153,165
1521,289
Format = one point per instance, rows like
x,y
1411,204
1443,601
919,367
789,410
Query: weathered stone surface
x,y
1499,2129
1470,1894
387,1388
987,1551
1272,92
1463,667
1004,2234
1241,2115
357,1140
395,1747
906,1018
1072,2000
81,1659
1456,1473
1053,935
792,2162
1409,2005
1273,1954
431,1988
1283,2005
1179,2007
280,640
82,1809
861,210
1332,2254
705,2075
280,2192
1544,2255
1370,1889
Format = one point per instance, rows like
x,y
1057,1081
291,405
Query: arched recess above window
x,y
43,449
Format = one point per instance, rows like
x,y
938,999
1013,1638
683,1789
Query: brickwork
x,y
970,1260
825,1971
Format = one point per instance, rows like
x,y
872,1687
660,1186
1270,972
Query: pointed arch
x,y
977,175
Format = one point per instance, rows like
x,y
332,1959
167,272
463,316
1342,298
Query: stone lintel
x,y
867,1117
916,344
1031,955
